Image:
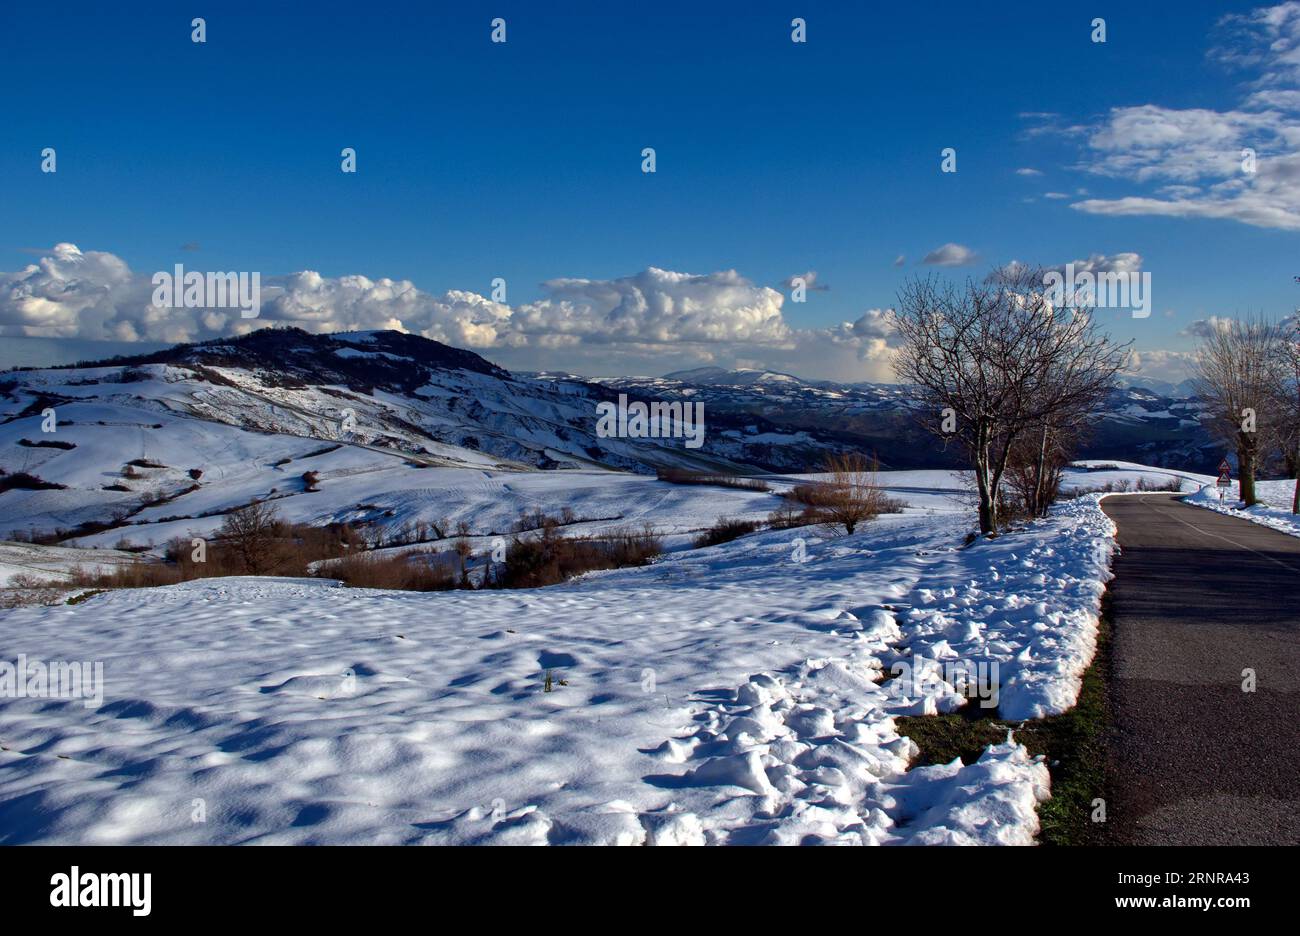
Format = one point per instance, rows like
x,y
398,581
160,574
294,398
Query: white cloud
x,y
1265,40
1173,366
950,255
1027,171
810,282
69,294
650,321
1102,263
1126,262
1194,157
1204,328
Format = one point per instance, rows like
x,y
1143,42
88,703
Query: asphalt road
x,y
1199,597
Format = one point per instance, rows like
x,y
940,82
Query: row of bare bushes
x,y
255,541
682,476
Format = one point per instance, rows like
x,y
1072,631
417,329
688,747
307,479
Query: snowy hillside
x,y
744,693
740,693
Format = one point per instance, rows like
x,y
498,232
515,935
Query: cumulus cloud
x,y
950,255
1194,159
1027,171
650,321
71,294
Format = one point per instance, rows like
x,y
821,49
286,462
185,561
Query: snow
x,y
745,693
1273,509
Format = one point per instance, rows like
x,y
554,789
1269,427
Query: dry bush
x,y
852,496
551,558
143,574
408,571
725,530
291,551
1169,484
21,480
811,495
682,476
787,516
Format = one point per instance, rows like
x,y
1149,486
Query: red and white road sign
x,y
1225,474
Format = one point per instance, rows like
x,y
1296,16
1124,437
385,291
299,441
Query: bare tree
x,y
852,495
1287,404
995,361
1238,370
252,534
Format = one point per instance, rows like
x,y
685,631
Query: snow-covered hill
x,y
726,695
394,428
193,431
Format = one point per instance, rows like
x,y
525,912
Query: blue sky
x,y
523,160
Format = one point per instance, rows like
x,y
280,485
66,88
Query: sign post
x,y
1225,479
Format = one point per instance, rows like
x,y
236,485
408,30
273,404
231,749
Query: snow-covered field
x,y
1273,510
723,695
24,562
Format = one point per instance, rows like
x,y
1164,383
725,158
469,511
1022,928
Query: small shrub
x,y
21,480
724,531
47,443
409,571
1169,484
787,516
551,558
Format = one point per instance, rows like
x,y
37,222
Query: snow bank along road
x,y
1199,598
724,695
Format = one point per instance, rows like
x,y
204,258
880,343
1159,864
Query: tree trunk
x,y
1295,498
983,483
1246,467
1040,470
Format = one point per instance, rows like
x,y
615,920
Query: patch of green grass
x,y
1073,744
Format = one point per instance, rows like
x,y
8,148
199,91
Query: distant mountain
x,y
718,376
1182,390
1143,420
435,404
439,405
